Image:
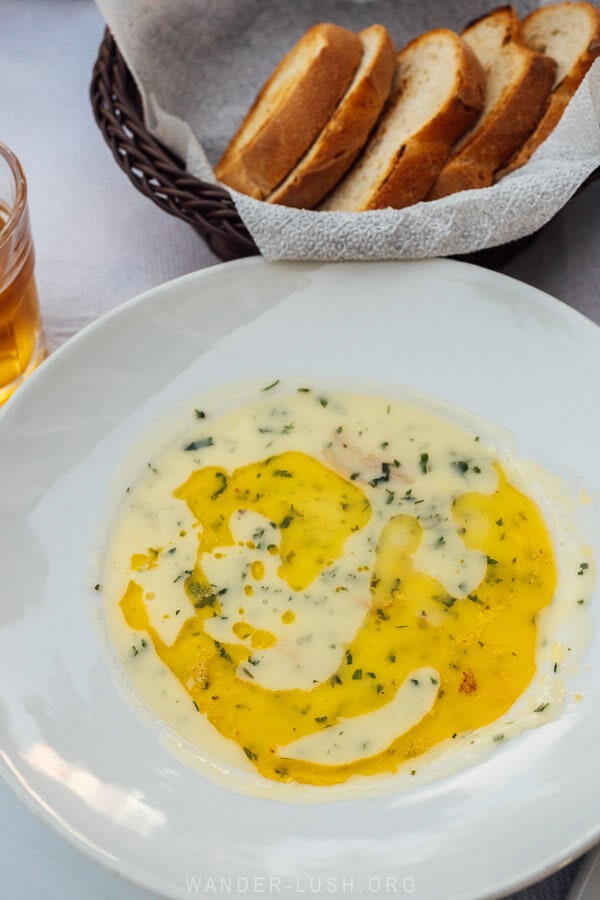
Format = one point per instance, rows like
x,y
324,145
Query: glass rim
x,y
20,203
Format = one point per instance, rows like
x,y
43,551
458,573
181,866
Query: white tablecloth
x,y
98,243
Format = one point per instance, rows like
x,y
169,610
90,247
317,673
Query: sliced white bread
x,y
345,134
570,34
291,110
518,84
436,95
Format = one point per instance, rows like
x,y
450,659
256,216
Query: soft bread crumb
x,y
569,33
426,103
345,134
291,110
563,32
519,81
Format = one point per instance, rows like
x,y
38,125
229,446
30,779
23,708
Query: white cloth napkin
x,y
199,63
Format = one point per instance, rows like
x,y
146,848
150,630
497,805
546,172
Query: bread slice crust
x,y
519,83
570,34
344,136
291,109
408,148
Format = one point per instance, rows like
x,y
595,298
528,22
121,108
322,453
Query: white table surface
x,y
98,243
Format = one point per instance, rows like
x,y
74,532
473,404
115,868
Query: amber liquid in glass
x,y
21,342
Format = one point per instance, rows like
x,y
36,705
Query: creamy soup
x,y
319,584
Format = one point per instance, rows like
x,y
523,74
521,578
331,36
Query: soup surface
x,y
319,584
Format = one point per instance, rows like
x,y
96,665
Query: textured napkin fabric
x,y
200,63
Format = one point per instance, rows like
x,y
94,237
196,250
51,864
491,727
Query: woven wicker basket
x,y
161,176
153,169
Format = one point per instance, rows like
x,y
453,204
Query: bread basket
x,y
160,175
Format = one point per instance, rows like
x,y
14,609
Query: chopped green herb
x,y
199,445
202,594
448,601
223,479
385,475
222,651
272,385
357,675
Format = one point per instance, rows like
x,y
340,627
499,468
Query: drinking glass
x,y
22,344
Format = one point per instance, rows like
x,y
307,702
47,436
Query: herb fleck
x,y
223,479
202,594
199,445
250,753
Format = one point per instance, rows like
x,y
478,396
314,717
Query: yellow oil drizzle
x,y
296,492
259,638
482,645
